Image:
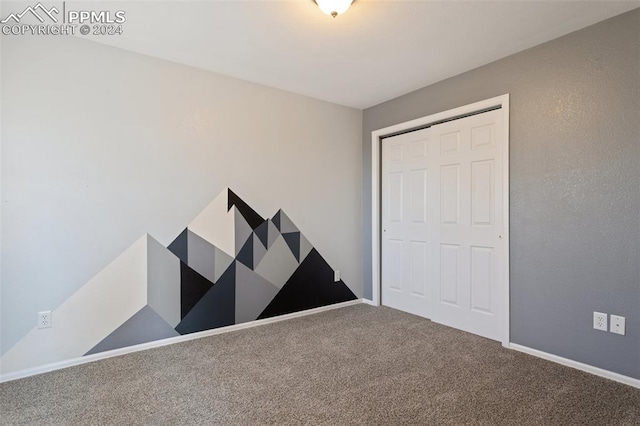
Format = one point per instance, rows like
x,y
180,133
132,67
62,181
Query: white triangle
x,y
216,224
90,314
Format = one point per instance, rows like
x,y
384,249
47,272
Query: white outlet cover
x,y
617,324
44,319
336,276
600,321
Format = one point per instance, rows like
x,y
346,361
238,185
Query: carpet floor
x,y
349,366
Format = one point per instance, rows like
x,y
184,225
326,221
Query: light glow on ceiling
x,y
334,7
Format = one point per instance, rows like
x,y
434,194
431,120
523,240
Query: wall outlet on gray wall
x,y
600,321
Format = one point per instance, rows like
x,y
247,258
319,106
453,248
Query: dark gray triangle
x,y
262,233
310,286
250,215
272,234
216,308
179,246
245,256
258,251
193,287
293,241
276,220
144,326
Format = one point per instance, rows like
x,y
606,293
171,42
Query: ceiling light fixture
x,y
333,7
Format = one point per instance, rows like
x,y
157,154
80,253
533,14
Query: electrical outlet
x,y
600,321
617,324
336,276
44,319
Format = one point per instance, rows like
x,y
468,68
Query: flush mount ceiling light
x,y
333,7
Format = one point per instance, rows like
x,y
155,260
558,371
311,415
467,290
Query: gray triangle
x,y
262,231
278,263
222,262
202,258
243,230
272,234
305,247
253,294
258,250
286,225
163,281
144,326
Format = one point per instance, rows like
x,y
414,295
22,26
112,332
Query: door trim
x,y
501,102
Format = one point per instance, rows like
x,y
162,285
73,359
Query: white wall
x,y
100,145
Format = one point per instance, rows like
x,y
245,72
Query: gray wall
x,y
575,185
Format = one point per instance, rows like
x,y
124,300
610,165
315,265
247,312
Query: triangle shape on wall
x,y
310,286
286,225
144,326
272,234
258,250
179,246
253,294
193,287
245,256
251,216
276,219
262,233
305,247
277,264
215,309
293,241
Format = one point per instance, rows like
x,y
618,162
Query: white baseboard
x,y
369,302
165,342
577,365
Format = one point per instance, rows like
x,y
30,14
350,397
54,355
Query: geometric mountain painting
x,y
228,266
237,266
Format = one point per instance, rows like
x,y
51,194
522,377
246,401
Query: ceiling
x,y
376,51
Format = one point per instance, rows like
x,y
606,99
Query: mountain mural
x,y
228,266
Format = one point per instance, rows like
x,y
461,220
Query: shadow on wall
x,y
227,267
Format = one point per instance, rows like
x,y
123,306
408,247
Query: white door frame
x,y
376,141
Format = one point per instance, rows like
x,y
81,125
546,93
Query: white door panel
x,y
405,222
468,212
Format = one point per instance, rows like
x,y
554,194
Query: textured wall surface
x,y
102,145
575,185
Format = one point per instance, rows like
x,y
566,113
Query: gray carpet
x,y
355,365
